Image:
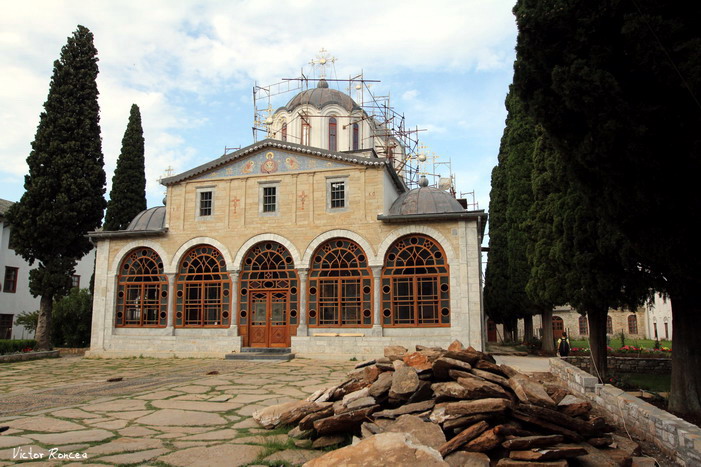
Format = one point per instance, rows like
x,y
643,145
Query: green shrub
x,y
28,320
71,319
16,346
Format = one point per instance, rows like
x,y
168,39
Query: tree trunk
x,y
43,332
685,395
547,323
597,342
510,327
527,328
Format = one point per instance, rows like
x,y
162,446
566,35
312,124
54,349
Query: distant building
x,y
14,286
652,321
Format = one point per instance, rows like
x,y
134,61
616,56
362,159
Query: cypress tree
x,y
64,197
128,193
617,86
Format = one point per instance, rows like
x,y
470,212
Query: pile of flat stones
x,y
452,406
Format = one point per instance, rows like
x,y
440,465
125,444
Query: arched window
x,y
356,137
142,290
340,285
632,324
415,284
202,289
332,134
609,325
283,131
269,296
306,130
558,327
583,326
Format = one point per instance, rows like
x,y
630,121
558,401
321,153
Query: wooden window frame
x,y
202,287
583,326
141,275
75,281
205,207
9,283
337,264
632,324
333,134
415,261
356,137
609,325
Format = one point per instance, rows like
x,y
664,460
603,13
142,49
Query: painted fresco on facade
x,y
270,162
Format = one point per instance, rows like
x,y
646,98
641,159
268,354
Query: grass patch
x,y
615,343
653,383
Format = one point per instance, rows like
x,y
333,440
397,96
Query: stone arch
x,y
175,260
266,237
314,244
155,246
416,229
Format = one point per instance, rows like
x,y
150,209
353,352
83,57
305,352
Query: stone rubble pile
x,y
448,407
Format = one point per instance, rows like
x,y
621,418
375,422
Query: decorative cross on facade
x,y
322,59
235,204
302,198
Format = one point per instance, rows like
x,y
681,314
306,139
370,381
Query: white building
x,y
15,297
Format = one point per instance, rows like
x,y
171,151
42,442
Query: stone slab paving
x,y
169,412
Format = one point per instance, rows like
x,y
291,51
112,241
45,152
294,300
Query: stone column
x,y
234,304
170,322
377,302
302,329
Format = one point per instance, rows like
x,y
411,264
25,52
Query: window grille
x,y
340,286
205,203
142,290
202,289
415,284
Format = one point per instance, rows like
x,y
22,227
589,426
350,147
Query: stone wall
x,y
675,437
654,366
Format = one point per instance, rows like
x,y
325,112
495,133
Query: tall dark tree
x,y
520,141
574,253
497,304
617,86
507,269
64,197
128,193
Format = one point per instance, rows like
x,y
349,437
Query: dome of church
x,y
425,200
321,96
150,219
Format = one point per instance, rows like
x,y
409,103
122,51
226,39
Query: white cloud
x,y
180,60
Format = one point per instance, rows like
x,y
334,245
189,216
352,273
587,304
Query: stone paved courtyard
x,y
162,412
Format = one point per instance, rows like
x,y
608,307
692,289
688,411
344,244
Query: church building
x,y
312,239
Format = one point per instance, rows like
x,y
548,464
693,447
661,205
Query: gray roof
x,y
427,204
150,219
320,97
285,145
147,223
425,200
4,206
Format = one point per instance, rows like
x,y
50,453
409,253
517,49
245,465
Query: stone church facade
x,y
309,240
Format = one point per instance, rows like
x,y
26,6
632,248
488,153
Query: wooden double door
x,y
269,325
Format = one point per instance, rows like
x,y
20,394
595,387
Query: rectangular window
x,y
6,326
338,195
75,281
10,282
269,199
205,203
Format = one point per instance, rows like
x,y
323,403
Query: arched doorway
x,y
558,327
269,296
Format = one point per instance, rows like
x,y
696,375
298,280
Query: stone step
x,y
279,356
269,350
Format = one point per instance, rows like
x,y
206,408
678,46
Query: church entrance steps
x,y
262,353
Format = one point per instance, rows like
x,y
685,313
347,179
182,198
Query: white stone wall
x,y
22,300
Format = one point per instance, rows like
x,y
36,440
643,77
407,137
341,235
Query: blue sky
x,y
191,66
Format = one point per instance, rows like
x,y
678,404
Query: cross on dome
x,y
323,58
